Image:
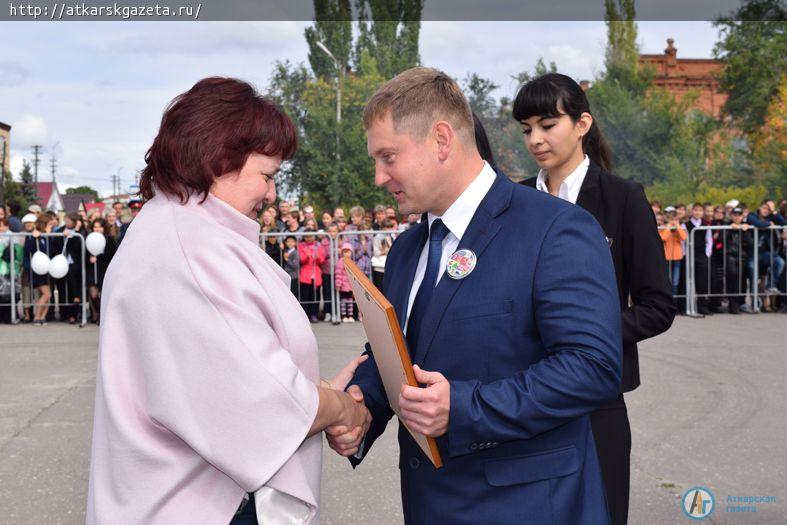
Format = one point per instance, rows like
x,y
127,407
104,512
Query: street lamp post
x,y
338,98
2,170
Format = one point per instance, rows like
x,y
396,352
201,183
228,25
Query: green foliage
x,y
27,184
667,193
389,34
13,192
622,53
332,27
332,166
753,47
83,189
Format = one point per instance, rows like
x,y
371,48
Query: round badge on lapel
x,y
460,264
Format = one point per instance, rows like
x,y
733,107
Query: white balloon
x,y
58,266
95,243
40,263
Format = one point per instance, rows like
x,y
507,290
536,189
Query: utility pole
x,y
115,185
53,162
37,150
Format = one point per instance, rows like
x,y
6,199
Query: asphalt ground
x,y
711,412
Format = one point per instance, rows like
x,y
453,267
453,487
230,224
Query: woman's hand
x,y
345,375
93,259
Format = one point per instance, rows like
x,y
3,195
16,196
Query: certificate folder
x,y
388,346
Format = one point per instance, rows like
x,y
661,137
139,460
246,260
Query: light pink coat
x,y
206,378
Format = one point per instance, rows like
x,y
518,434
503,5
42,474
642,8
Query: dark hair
x,y
104,224
211,130
14,207
554,94
482,142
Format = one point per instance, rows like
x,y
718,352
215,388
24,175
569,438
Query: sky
x,y
95,91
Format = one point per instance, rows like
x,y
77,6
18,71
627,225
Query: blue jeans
x,y
776,269
673,271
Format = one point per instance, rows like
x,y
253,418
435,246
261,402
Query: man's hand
x,y
426,410
345,440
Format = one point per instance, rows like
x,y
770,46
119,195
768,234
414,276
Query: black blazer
x,y
646,302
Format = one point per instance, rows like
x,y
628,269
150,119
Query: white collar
x,y
569,188
457,217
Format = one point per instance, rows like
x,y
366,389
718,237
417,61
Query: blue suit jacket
x,y
530,342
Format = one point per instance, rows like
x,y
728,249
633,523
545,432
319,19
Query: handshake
x,y
351,418
425,410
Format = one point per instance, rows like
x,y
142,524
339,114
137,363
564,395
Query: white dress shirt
x,y
569,188
456,218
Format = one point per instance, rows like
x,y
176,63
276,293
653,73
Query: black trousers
x,y
612,434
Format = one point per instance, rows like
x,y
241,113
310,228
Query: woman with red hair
x,y
209,403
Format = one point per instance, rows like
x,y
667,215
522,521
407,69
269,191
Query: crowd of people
x,y
724,259
300,243
34,292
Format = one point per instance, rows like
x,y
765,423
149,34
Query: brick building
x,y
679,75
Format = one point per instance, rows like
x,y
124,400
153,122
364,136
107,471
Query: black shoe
x,y
704,311
734,309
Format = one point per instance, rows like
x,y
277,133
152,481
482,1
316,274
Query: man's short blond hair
x,y
417,99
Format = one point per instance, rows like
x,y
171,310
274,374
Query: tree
x,y
390,35
769,143
28,187
622,52
332,27
753,47
83,189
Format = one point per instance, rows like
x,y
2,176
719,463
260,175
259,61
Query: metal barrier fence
x,y
739,258
17,282
326,297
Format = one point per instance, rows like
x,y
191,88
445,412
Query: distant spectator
x,y
655,205
343,286
308,215
708,210
736,243
284,212
379,217
381,244
9,244
680,212
673,236
341,223
97,268
312,255
327,220
292,264
390,213
338,213
134,206
327,283
39,282
272,244
703,249
14,223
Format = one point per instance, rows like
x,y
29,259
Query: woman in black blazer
x,y
574,159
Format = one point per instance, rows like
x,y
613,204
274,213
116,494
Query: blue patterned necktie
x,y
437,233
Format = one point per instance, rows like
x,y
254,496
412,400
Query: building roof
x,y
72,201
5,126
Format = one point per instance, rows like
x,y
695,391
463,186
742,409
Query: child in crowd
x,y
312,255
97,268
673,236
292,263
325,268
39,282
346,305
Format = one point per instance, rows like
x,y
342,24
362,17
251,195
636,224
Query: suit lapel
x,y
400,295
590,194
482,229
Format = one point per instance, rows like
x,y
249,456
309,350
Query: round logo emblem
x,y
460,264
698,503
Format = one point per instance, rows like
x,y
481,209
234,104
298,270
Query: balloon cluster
x,y
57,266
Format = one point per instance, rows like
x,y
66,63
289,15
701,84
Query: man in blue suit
x,y
508,301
